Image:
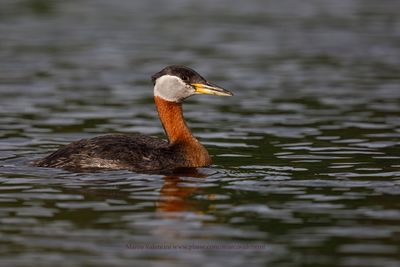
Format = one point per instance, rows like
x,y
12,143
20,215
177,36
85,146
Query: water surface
x,y
306,154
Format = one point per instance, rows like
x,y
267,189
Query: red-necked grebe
x,y
138,152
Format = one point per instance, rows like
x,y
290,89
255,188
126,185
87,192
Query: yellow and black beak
x,y
210,89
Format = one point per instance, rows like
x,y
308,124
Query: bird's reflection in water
x,y
177,211
174,210
174,193
175,202
176,190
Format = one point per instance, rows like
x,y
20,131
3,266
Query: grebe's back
x,y
132,152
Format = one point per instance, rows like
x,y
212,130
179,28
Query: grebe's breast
x,y
133,152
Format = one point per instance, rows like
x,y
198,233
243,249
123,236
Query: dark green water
x,y
306,154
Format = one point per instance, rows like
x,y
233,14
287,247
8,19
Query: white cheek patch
x,y
172,88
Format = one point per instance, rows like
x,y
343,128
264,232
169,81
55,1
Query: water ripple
x,y
306,154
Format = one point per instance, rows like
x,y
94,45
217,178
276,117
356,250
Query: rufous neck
x,y
179,134
171,117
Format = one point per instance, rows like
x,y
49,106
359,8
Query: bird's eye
x,y
185,78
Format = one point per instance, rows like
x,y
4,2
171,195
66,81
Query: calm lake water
x,y
306,154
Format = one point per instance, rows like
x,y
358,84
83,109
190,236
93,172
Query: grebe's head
x,y
176,83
